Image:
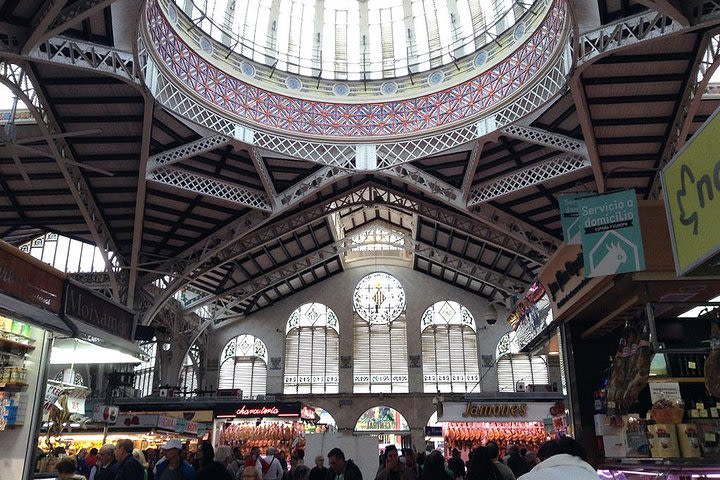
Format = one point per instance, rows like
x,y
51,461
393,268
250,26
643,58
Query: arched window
x,y
521,368
380,349
145,371
312,350
243,365
449,349
187,380
514,367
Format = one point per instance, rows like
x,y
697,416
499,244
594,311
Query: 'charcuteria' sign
x,y
691,185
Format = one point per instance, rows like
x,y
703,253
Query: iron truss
x,y
538,173
705,64
639,28
21,81
236,296
491,229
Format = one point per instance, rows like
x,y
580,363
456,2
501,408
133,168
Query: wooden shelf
x,y
677,379
13,387
7,344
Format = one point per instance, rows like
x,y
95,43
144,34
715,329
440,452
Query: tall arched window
x,y
380,349
449,349
243,365
187,380
514,367
312,350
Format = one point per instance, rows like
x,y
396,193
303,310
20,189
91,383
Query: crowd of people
x,y
562,458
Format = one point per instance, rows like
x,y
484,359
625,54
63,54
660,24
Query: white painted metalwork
x,y
487,224
207,185
311,185
425,182
628,31
527,177
539,136
705,64
548,84
92,56
21,81
236,296
186,151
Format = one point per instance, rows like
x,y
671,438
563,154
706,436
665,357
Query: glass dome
x,y
354,39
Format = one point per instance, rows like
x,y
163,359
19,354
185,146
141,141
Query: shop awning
x,y
79,350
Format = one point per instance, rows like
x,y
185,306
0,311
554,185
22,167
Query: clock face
x,y
379,298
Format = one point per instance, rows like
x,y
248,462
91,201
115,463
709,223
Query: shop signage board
x,y
570,217
664,390
29,280
384,419
90,307
691,187
259,410
105,414
495,411
610,232
167,423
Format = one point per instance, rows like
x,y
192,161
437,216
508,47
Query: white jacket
x,y
562,467
275,472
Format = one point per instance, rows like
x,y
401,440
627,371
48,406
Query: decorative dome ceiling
x,y
354,39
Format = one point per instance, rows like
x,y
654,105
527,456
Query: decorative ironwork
x,y
548,139
379,298
527,177
186,151
210,186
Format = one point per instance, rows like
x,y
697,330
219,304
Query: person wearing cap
x,y
274,471
173,467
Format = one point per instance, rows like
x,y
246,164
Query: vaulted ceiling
x,y
473,216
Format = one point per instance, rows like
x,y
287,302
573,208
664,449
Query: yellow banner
x,y
691,183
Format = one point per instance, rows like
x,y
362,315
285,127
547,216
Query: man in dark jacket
x,y
107,467
129,468
319,472
517,464
341,469
456,464
209,468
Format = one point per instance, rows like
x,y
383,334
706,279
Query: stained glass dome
x,y
354,39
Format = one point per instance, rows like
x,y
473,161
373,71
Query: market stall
x,y
259,424
468,425
387,424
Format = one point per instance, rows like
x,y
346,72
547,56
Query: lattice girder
x,y
18,78
85,55
233,243
705,64
539,136
189,150
245,291
207,185
539,173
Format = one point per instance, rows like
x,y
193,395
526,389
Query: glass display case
x,y
647,469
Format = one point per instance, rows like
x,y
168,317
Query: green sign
x,y
570,217
610,231
691,185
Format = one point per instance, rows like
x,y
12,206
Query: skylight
x,y
352,39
